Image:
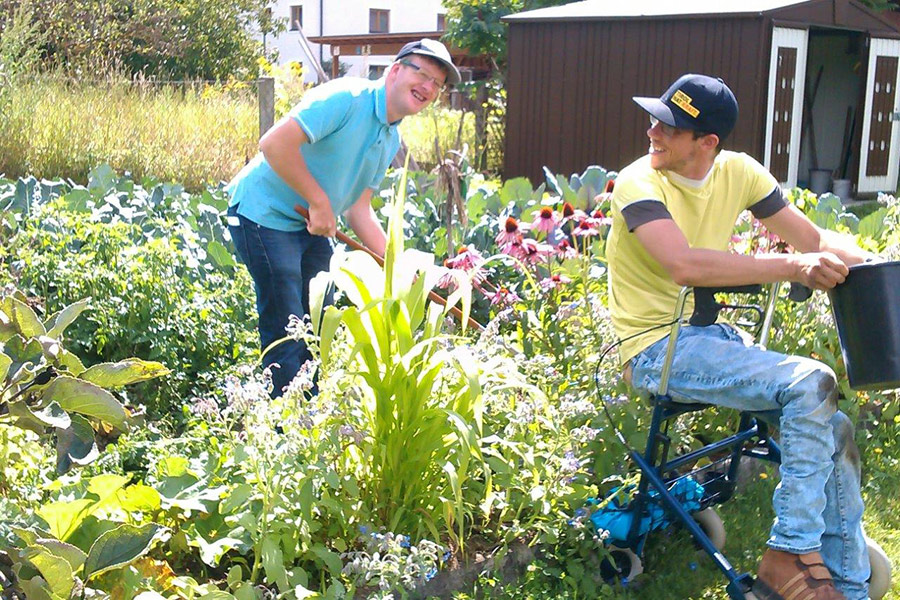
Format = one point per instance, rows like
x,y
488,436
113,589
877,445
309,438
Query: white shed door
x,y
878,161
787,78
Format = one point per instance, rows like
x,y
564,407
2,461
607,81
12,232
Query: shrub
x,y
152,262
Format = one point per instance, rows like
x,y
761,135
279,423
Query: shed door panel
x,y
787,76
879,149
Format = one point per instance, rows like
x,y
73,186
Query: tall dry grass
x,y
194,134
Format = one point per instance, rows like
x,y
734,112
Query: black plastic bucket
x,y
867,312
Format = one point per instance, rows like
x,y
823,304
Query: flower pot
x,y
841,189
867,313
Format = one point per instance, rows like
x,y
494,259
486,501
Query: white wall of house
x,y
348,17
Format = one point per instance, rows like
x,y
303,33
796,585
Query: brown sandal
x,y
786,576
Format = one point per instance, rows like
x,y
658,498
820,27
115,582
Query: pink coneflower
x,y
545,221
565,250
467,258
514,249
553,282
586,227
502,297
533,251
446,280
511,233
568,211
600,219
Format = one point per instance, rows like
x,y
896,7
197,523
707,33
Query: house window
x,y
378,20
441,22
296,18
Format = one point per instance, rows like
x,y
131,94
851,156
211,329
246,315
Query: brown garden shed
x,y
816,81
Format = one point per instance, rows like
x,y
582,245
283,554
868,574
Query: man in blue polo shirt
x,y
327,155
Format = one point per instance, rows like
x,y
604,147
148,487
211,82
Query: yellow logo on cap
x,y
683,101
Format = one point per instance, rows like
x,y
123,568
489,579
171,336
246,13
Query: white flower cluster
x,y
390,562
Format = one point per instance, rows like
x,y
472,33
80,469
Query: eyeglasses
x,y
423,76
665,129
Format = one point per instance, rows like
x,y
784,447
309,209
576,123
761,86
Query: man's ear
x,y
710,141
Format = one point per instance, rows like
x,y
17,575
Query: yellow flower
x,y
763,475
878,450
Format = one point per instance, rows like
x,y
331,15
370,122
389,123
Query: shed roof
x,y
651,8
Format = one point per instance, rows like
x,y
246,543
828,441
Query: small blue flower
x,y
363,529
431,574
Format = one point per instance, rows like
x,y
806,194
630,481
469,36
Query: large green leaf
x,y
5,363
72,554
56,570
220,255
75,445
63,518
273,562
124,372
53,415
331,559
22,317
119,547
107,486
139,497
85,398
37,589
58,322
7,329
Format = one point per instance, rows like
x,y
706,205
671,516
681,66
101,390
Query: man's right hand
x,y
820,270
321,220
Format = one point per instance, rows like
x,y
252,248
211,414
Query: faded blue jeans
x,y
817,504
282,263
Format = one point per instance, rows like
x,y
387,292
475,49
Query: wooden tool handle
x,y
434,297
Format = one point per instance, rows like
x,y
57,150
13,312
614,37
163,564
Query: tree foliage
x,y
475,24
205,39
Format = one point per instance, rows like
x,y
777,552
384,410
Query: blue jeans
x,y
818,506
282,263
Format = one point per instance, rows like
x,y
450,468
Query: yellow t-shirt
x,y
641,294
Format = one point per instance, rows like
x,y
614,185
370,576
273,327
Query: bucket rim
x,y
874,265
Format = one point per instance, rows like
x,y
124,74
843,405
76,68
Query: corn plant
x,y
420,390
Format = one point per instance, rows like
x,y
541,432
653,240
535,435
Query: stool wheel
x,y
711,524
621,565
880,579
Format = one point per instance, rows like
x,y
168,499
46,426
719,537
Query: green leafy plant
x,y
80,538
154,264
46,388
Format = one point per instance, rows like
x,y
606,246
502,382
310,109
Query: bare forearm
x,y
844,247
369,231
709,268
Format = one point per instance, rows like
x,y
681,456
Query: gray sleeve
x,y
644,211
769,205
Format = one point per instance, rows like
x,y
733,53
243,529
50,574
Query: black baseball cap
x,y
696,102
436,50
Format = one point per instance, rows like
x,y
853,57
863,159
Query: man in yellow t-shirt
x,y
674,212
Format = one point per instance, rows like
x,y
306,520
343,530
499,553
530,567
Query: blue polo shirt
x,y
351,144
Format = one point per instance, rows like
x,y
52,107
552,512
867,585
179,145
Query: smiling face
x,y
412,84
676,150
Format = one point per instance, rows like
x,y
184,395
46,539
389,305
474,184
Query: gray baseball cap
x,y
436,50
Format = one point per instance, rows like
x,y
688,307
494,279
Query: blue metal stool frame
x,y
659,473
